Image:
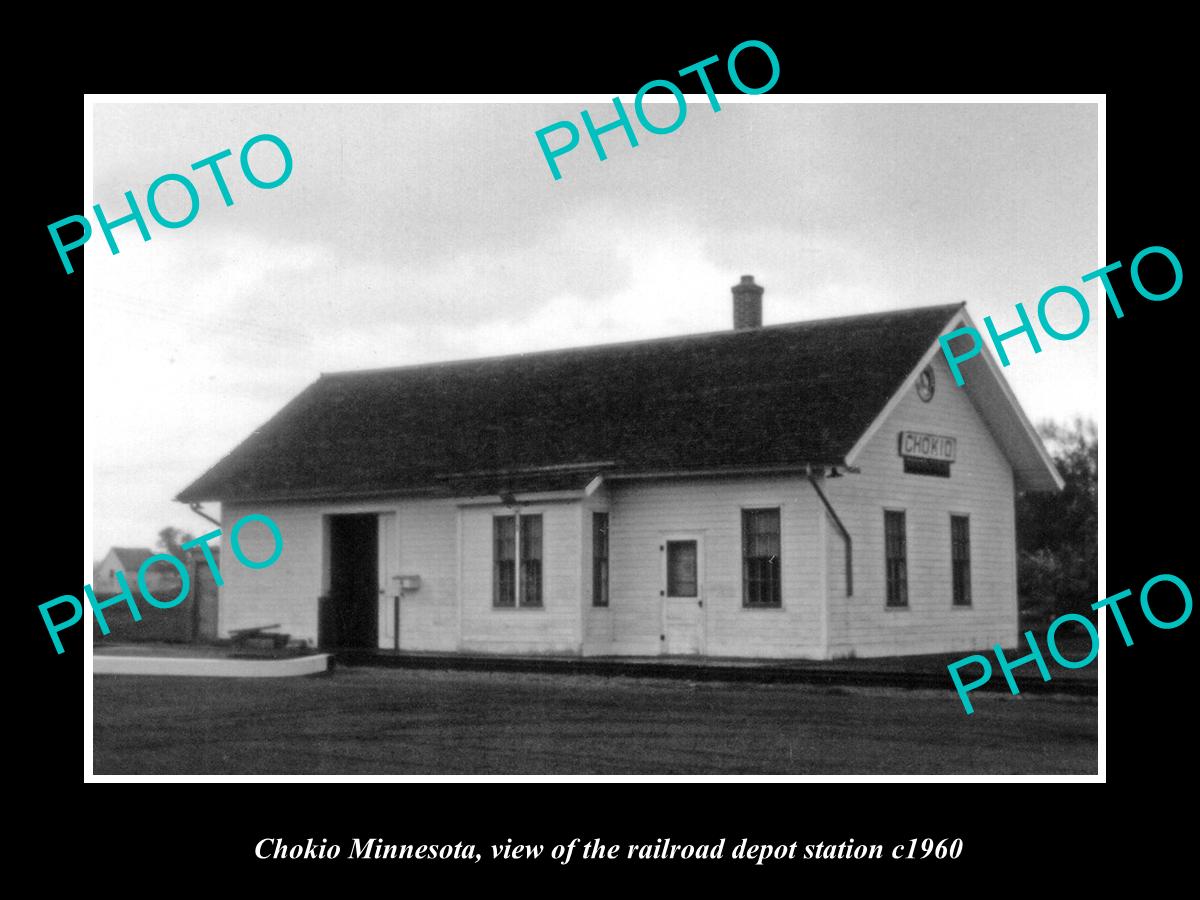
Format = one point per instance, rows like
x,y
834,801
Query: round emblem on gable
x,y
925,384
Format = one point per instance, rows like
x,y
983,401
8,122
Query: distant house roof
x,y
131,558
772,396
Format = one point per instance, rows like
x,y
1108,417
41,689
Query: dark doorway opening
x,y
350,611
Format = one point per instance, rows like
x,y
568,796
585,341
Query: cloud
x,y
422,232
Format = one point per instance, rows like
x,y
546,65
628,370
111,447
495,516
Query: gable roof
x,y
773,396
131,558
990,394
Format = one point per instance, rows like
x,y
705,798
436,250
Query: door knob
x,y
700,602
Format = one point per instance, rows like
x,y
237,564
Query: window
x,y
681,569
505,541
895,550
509,546
760,558
531,560
960,559
599,559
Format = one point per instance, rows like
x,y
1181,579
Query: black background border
x,y
1149,491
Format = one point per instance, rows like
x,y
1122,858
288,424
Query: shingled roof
x,y
131,558
777,395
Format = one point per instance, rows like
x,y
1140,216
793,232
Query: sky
x,y
420,232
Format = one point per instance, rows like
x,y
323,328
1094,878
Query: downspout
x,y
845,534
195,507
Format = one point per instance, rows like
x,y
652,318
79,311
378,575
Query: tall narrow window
x,y
504,540
531,560
599,559
761,580
896,550
960,558
682,568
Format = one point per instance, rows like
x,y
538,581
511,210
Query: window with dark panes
x,y
895,548
960,559
599,559
681,569
504,540
531,560
761,581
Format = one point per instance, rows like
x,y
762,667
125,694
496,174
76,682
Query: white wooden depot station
x,y
810,490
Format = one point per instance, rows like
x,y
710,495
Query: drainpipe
x,y
195,507
842,528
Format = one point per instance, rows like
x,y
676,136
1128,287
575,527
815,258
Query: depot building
x,y
813,490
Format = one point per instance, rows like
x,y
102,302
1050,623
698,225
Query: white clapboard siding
x,y
642,512
835,561
598,632
555,627
288,591
981,486
429,548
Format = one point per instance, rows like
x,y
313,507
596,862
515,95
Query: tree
x,y
1057,533
170,540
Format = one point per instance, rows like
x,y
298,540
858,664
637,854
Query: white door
x,y
389,585
683,594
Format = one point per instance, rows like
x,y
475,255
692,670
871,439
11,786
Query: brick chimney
x,y
747,304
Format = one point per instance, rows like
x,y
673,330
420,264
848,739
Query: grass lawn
x,y
393,721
